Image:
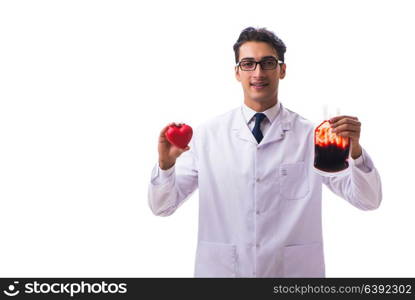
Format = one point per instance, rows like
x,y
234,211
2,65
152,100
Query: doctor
x,y
259,197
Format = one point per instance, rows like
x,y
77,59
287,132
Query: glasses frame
x,y
279,62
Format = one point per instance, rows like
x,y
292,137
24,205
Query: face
x,y
259,86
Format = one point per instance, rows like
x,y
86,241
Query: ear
x,y
237,75
283,71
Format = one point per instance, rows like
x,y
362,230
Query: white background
x,y
86,86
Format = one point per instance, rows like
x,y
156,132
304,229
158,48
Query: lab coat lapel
x,y
241,129
278,128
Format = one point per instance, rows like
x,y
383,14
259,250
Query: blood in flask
x,y
330,150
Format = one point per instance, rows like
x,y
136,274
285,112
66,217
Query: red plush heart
x,y
179,136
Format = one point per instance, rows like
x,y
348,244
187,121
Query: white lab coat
x,y
259,205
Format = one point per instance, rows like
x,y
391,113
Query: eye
x,y
269,62
247,64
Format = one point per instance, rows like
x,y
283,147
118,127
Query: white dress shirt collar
x,y
271,113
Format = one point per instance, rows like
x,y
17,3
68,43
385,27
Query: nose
x,y
258,73
258,70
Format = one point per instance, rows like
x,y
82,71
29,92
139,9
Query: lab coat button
x,y
257,212
257,245
257,180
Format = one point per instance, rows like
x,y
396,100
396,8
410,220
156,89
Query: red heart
x,y
179,136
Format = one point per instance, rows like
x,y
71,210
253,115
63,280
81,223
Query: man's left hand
x,y
348,126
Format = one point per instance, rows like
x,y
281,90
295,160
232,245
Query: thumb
x,y
181,150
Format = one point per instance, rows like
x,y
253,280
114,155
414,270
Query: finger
x,y
351,134
179,151
335,119
184,149
345,121
163,131
347,127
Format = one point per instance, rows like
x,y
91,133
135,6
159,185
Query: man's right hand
x,y
168,153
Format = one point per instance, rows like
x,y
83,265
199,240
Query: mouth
x,y
258,85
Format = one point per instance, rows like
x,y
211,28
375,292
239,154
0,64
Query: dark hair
x,y
260,35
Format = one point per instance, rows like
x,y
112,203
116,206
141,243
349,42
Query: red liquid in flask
x,y
331,151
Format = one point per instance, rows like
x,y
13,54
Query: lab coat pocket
x,y
293,181
215,260
304,260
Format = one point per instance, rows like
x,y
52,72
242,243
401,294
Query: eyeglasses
x,y
266,64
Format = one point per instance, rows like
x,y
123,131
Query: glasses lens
x,y
247,65
269,64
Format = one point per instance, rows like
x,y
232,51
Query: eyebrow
x,y
269,56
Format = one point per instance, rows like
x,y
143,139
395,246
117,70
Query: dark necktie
x,y
257,128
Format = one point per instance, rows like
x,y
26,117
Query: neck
x,y
260,106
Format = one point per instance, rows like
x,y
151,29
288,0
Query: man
x,y
259,196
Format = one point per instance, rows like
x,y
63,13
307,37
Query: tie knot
x,y
259,117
